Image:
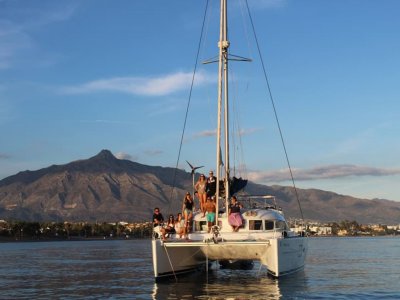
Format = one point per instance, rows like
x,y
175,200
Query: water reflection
x,y
230,284
336,268
54,270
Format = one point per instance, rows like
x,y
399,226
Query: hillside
x,y
104,188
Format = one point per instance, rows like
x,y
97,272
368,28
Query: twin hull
x,y
281,256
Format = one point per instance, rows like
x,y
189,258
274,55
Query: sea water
x,y
336,268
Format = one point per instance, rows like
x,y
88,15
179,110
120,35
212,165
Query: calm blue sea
x,y
337,268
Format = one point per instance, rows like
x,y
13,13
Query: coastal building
x,y
321,230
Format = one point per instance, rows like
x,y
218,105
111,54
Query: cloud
x,y
205,133
12,41
18,21
248,131
123,155
267,4
153,152
213,132
145,86
101,121
4,156
324,172
169,105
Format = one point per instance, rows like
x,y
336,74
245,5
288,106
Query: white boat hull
x,y
281,256
170,261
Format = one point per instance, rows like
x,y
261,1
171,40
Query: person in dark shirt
x,y
188,208
211,187
158,218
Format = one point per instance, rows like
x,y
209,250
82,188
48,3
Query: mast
x,y
223,46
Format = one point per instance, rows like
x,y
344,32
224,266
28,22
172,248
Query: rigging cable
x,y
274,109
188,104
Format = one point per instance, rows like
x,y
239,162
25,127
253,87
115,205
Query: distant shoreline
x,y
71,239
88,239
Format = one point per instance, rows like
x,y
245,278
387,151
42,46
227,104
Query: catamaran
x,y
264,235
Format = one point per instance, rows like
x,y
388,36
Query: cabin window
x,y
269,225
255,224
200,226
281,225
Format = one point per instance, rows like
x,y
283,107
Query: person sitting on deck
x,y
169,228
158,218
210,208
187,208
235,217
158,221
180,225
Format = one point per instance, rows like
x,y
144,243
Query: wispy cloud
x,y
145,86
4,156
248,131
170,105
123,155
153,152
265,4
12,41
213,132
100,121
205,133
323,172
17,24
6,108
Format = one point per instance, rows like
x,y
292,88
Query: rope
x,y
170,263
188,104
259,270
274,109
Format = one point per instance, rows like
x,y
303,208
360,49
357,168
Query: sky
x,y
80,76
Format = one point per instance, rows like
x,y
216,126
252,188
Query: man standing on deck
x,y
210,209
211,187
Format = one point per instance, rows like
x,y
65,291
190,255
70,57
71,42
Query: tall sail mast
x,y
223,46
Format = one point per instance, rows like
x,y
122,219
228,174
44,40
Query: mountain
x,y
104,188
101,188
326,206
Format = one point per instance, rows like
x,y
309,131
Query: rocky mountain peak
x,y
105,155
104,161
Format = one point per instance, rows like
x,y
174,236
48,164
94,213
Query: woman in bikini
x,y
200,188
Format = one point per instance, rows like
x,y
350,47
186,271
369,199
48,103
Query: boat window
x,y
200,226
281,225
255,224
269,225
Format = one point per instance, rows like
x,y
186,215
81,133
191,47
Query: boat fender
x,y
284,234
